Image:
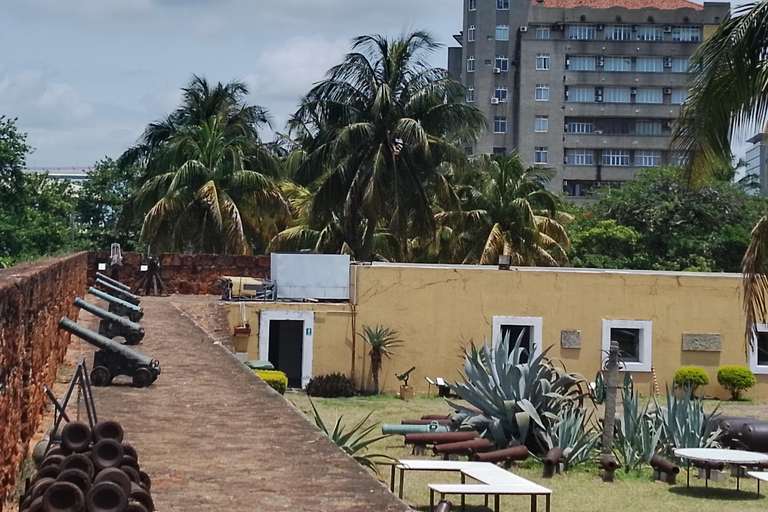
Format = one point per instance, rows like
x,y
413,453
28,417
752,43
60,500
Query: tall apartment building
x,y
757,161
589,88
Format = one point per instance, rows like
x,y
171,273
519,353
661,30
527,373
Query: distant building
x,y
757,161
74,174
589,88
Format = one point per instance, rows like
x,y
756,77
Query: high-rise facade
x,y
589,88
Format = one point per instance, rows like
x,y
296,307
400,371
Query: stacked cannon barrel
x,y
91,470
119,321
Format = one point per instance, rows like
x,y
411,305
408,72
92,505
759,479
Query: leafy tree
x,y
604,244
381,340
13,154
373,135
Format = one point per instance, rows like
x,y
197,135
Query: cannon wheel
x,y
100,376
142,378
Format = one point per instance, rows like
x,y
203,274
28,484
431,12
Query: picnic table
x,y
732,457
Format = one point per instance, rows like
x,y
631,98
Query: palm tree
x,y
382,340
374,134
507,209
729,94
206,198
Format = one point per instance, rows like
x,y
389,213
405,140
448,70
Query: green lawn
x,y
579,491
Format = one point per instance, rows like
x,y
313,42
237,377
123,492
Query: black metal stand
x,y
79,380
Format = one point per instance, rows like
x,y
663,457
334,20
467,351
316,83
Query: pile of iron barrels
x,y
91,470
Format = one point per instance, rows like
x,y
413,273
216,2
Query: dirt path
x,y
214,437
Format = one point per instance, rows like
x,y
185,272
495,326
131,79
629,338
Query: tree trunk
x,y
375,368
367,247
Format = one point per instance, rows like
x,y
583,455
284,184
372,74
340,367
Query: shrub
x,y
275,379
691,376
333,385
735,379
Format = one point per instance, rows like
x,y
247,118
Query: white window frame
x,y
502,120
499,33
580,127
581,94
649,127
680,65
501,62
470,94
582,32
471,64
470,33
649,95
542,62
580,157
645,351
649,33
612,94
757,369
544,88
501,93
502,5
617,64
615,158
534,322
541,124
676,94
623,31
472,5
649,65
691,34
582,63
541,155
307,342
542,32
647,158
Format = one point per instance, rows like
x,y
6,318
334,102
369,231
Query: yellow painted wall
x,y
437,310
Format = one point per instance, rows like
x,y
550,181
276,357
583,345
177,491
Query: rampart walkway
x,y
215,438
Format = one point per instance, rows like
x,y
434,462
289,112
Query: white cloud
x,y
62,101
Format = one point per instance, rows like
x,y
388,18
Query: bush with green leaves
x,y
736,379
691,376
333,385
637,432
685,424
521,400
274,379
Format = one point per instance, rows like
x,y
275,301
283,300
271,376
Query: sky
x,y
84,77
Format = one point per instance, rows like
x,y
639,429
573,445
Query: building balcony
x,y
604,173
626,79
602,141
616,110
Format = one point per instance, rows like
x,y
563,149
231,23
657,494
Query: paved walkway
x,y
214,437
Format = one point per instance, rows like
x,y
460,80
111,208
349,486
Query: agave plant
x,y
637,432
685,424
519,401
354,441
571,433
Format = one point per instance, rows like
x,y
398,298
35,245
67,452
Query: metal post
x,y
609,420
463,481
402,477
392,478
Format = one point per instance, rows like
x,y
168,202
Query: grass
x,y
581,490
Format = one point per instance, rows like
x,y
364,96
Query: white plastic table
x,y
426,465
758,475
497,490
732,457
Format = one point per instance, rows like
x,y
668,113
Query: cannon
x,y
113,282
112,325
507,455
440,421
119,306
119,292
432,428
113,359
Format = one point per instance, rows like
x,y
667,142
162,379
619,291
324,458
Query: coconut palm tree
x,y
206,198
382,340
729,94
374,134
507,209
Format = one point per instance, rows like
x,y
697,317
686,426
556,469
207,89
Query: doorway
x,y
286,340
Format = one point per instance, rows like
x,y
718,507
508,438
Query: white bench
x,y
496,490
758,475
425,465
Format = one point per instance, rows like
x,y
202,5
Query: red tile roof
x,y
627,4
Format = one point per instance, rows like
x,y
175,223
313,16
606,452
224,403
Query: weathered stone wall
x,y
189,274
33,297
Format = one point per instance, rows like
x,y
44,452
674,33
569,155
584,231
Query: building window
x,y
523,328
679,96
678,158
472,5
540,155
581,32
580,127
649,96
541,124
690,34
616,94
758,351
649,33
499,150
499,124
616,157
580,94
578,188
580,63
617,32
500,93
542,92
542,61
647,158
471,33
470,64
502,5
635,342
470,94
617,64
616,127
501,63
680,65
648,128
580,156
502,32
542,33
649,65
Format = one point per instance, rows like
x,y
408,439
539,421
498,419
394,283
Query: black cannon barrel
x,y
104,343
118,292
659,463
106,315
113,282
115,300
